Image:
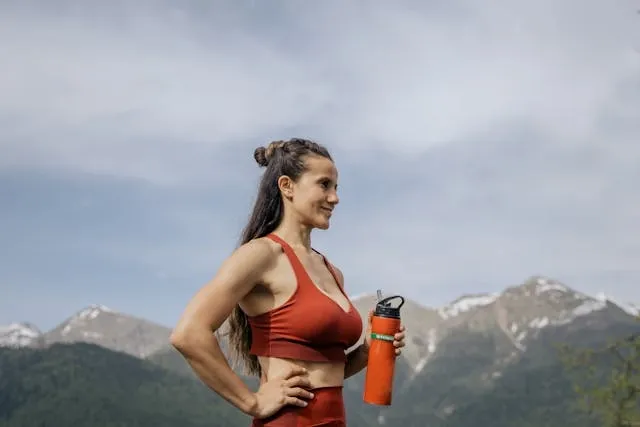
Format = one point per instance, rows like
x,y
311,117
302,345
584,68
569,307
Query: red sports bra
x,y
309,325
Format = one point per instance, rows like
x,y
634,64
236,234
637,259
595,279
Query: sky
x,y
478,144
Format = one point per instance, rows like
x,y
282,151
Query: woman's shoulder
x,y
248,262
259,251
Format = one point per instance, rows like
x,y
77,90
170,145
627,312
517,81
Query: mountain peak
x,y
551,288
92,311
535,286
548,298
19,334
539,285
99,324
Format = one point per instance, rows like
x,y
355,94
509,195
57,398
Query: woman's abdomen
x,y
320,374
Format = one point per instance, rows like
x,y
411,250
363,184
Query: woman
x,y
290,320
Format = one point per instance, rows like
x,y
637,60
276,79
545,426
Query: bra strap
x,y
298,269
331,270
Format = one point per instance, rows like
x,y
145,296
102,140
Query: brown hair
x,y
279,158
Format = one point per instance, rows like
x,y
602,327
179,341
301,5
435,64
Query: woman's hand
x,y
398,338
287,389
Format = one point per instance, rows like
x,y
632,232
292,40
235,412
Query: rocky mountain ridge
x,y
457,357
94,324
514,316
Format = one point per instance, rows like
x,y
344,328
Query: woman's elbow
x,y
188,337
182,337
177,340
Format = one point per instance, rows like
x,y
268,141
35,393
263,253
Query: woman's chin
x,y
323,226
323,223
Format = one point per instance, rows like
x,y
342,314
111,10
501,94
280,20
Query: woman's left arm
x,y
357,358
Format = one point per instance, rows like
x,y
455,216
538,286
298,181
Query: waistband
x,y
326,409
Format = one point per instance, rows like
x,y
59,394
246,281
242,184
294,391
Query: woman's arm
x,y
194,336
356,360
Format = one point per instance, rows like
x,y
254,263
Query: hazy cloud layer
x,y
118,87
478,144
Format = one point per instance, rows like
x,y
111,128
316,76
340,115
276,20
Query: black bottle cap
x,y
384,308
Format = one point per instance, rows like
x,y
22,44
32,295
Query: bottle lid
x,y
384,308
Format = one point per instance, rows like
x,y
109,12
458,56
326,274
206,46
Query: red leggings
x,y
326,409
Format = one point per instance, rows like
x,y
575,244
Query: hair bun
x,y
260,154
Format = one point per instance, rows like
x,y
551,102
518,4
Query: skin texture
x,y
259,277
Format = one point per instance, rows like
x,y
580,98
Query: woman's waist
x,y
320,374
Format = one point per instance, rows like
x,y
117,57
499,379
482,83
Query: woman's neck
x,y
295,234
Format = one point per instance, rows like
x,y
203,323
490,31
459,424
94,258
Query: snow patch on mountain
x,y
18,335
432,342
589,307
539,322
631,309
85,315
467,303
546,285
92,312
566,316
519,341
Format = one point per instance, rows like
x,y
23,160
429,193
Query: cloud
x,y
142,96
470,219
153,89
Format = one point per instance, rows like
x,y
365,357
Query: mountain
x,y
506,345
481,359
84,384
20,335
100,325
512,318
519,313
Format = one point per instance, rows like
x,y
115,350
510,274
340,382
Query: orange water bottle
x,y
385,323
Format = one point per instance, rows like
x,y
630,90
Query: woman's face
x,y
314,196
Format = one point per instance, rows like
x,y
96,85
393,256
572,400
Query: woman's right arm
x,y
194,336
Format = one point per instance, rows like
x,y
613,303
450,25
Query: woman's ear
x,y
285,184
